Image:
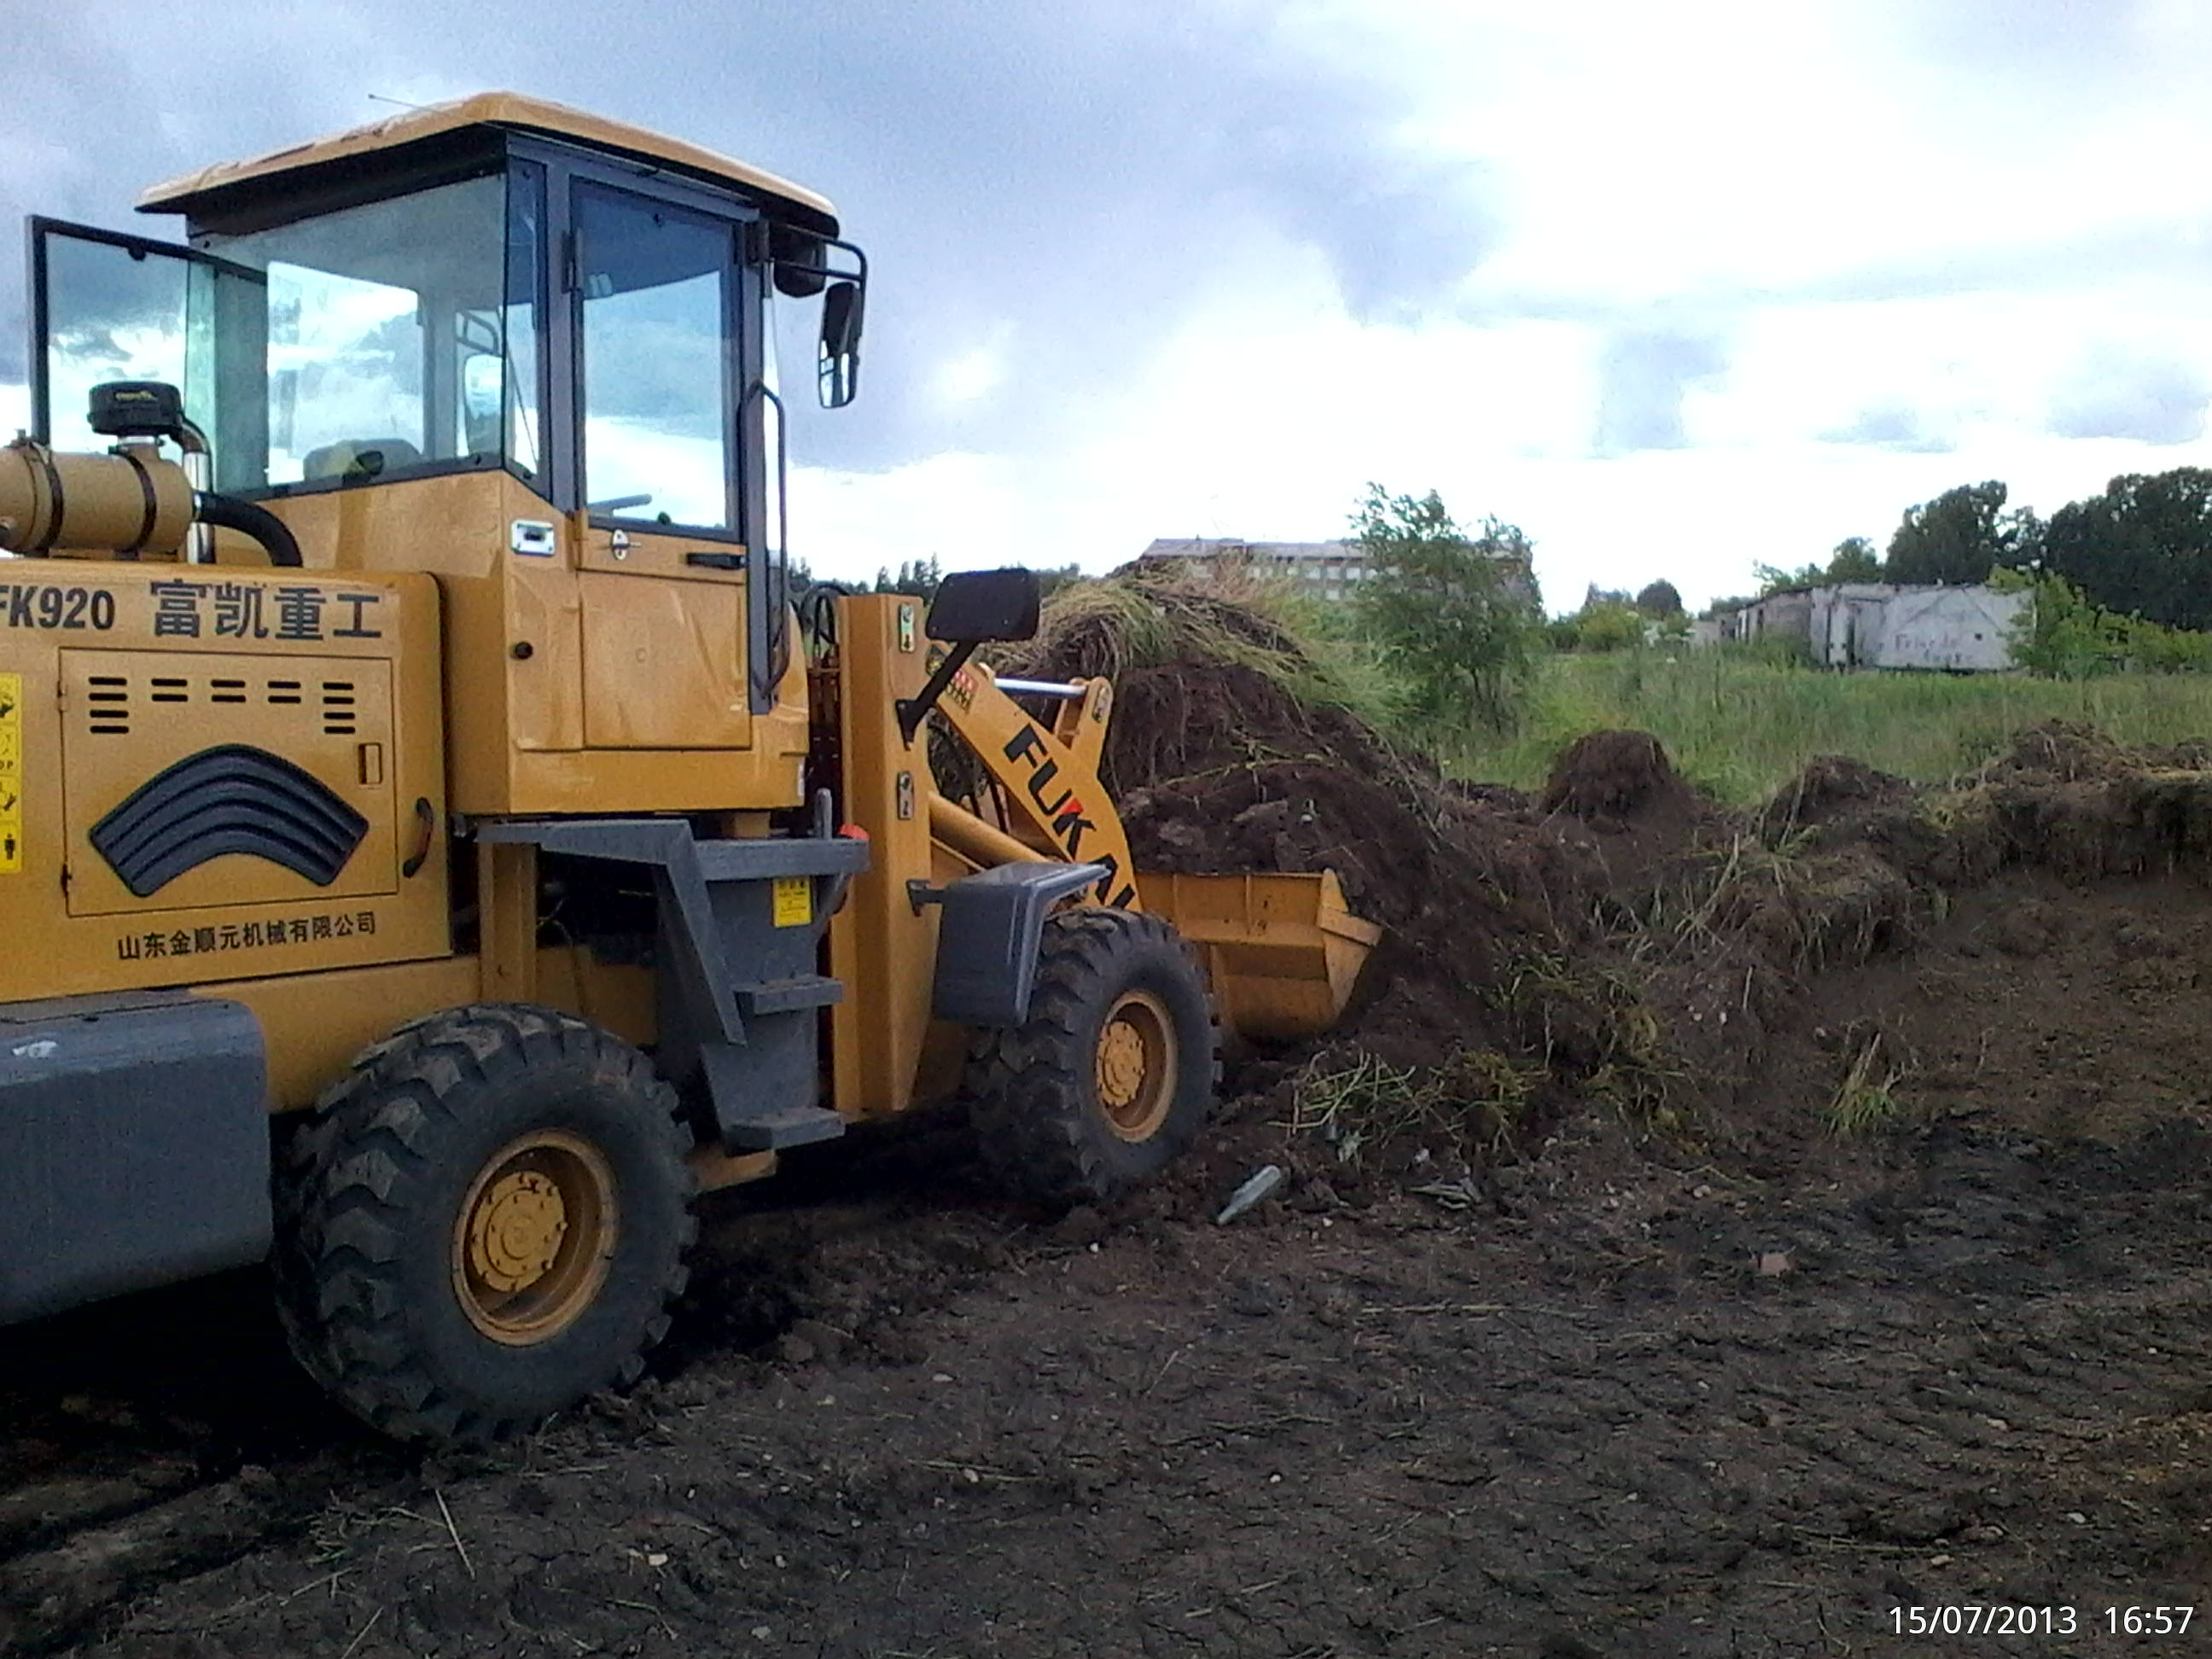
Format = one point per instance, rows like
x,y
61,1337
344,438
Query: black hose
x,y
228,513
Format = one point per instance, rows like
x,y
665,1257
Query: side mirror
x,y
971,608
838,369
979,607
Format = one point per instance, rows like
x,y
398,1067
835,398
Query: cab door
x,y
107,307
666,347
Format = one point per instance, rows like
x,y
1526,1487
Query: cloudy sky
x,y
1679,290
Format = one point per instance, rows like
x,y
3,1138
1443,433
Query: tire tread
x,y
338,1230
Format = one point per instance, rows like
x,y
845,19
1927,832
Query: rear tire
x,y
1112,1075
485,1223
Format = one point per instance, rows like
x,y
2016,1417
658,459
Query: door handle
x,y
427,823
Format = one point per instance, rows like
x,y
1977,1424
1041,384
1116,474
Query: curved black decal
x,y
233,799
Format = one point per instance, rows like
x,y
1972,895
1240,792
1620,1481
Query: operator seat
x,y
358,459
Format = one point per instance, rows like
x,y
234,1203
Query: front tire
x,y
1112,1075
485,1223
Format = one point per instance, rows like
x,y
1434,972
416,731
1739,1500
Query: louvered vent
x,y
109,705
338,709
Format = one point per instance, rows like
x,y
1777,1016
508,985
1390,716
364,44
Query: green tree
x,y
1609,627
1773,579
1854,561
1660,600
2142,547
1457,615
918,577
1961,536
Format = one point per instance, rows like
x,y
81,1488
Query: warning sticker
x,y
794,901
11,775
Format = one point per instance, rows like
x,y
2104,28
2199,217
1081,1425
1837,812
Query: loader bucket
x,y
1282,952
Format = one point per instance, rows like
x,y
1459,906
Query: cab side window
x,y
657,387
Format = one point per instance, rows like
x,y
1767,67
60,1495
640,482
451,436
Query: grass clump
x,y
1866,1102
1360,1102
1154,614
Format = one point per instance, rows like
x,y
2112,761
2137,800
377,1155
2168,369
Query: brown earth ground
x,y
1705,1236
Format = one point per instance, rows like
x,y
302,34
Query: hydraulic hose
x,y
228,513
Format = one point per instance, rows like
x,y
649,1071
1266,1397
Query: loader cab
x,y
497,284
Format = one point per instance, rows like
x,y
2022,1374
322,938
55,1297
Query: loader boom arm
x,y
1044,777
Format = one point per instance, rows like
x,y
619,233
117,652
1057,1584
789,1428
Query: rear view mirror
x,y
839,366
981,607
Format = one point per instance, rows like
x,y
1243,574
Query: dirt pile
x,y
1618,936
1606,778
2068,798
1201,682
1832,787
1478,895
2061,797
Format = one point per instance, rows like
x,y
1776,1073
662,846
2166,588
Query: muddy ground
x,y
1708,1234
1743,1390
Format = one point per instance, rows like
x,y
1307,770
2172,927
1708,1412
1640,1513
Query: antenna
x,y
380,98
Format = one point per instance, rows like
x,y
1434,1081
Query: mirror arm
x,y
912,711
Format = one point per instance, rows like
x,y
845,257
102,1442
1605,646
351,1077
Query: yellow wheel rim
x,y
1136,1065
535,1237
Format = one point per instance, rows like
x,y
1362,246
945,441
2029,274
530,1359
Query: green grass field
x,y
1739,726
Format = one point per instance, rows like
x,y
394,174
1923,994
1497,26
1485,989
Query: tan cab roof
x,y
502,109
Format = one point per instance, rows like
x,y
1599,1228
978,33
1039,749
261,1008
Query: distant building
x,y
1327,570
1967,628
1330,570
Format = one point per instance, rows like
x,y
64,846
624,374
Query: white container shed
x,y
1879,625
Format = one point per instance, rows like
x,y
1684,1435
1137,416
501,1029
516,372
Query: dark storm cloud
x,y
108,105
2125,394
1643,375
1073,181
1891,427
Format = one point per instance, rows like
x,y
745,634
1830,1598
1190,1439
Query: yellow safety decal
x,y
11,775
794,901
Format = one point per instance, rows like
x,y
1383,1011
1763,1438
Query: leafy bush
x,y
1610,628
1456,615
2065,636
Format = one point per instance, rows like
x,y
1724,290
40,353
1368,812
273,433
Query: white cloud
x,y
1135,279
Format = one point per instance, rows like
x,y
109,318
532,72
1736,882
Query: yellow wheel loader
x,y
433,845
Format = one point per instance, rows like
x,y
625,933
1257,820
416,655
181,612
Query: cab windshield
x,y
395,338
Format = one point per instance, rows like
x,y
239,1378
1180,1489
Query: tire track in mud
x,y
148,1439
1385,1436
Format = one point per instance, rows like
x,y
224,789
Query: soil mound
x,y
1619,937
1202,682
2069,751
1175,719
1472,890
1830,787
1614,775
